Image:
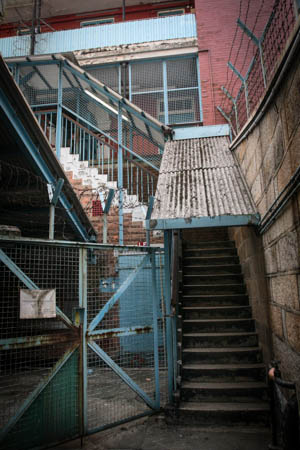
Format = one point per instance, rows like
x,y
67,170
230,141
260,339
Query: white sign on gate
x,y
37,303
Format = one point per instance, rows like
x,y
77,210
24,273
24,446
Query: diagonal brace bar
x,y
122,374
111,302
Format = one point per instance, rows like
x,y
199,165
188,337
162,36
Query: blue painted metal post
x,y
155,330
169,338
165,81
83,353
120,173
59,112
199,89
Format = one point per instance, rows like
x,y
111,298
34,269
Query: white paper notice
x,y
37,304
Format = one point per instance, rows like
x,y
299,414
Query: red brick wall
x,y
216,28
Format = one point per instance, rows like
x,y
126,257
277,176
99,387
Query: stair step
x,y
209,244
210,252
196,340
215,300
208,413
222,355
224,372
218,325
209,260
202,289
203,269
204,279
209,312
193,391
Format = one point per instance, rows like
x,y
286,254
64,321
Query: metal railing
x,y
267,51
101,153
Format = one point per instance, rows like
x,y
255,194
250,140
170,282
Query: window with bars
x,y
168,89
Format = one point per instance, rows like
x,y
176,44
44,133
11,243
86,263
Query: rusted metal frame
x,y
53,197
37,341
120,332
234,102
111,302
30,284
120,422
155,305
35,394
120,174
226,117
148,217
169,338
122,374
176,323
82,324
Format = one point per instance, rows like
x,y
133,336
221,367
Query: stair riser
x,y
219,327
224,375
244,418
211,252
202,261
230,395
212,270
189,280
226,300
220,341
242,313
214,289
225,358
212,244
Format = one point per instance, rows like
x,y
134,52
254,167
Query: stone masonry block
x,y
284,173
288,252
284,291
293,330
291,104
271,260
276,320
294,150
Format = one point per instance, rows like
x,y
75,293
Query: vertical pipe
x,y
199,89
155,329
169,338
123,11
59,112
51,222
120,173
104,228
33,30
83,304
165,81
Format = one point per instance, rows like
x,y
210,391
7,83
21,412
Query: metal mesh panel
x,y
49,268
108,75
127,332
183,106
182,73
40,84
51,416
147,76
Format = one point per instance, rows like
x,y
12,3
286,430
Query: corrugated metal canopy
x,y
201,185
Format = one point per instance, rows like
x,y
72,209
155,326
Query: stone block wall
x,y
269,157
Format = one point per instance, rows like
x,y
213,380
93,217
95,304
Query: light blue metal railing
x,y
131,32
100,152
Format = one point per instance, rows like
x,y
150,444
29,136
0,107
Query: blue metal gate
x,y
100,361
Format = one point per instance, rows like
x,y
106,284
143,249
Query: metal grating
x,y
199,178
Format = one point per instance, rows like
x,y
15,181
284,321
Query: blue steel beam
x,y
120,174
30,147
122,374
36,341
202,222
169,328
111,302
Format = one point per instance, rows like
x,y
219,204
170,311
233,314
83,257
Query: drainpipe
x,y
32,39
123,11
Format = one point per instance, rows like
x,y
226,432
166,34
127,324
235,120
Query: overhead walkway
x,y
201,185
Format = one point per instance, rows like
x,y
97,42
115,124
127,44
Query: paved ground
x,y
153,434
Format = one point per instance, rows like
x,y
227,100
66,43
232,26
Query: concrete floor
x,y
153,434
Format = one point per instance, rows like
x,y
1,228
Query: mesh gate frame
x,y
85,335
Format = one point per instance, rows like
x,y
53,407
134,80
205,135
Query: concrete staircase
x,y
223,377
